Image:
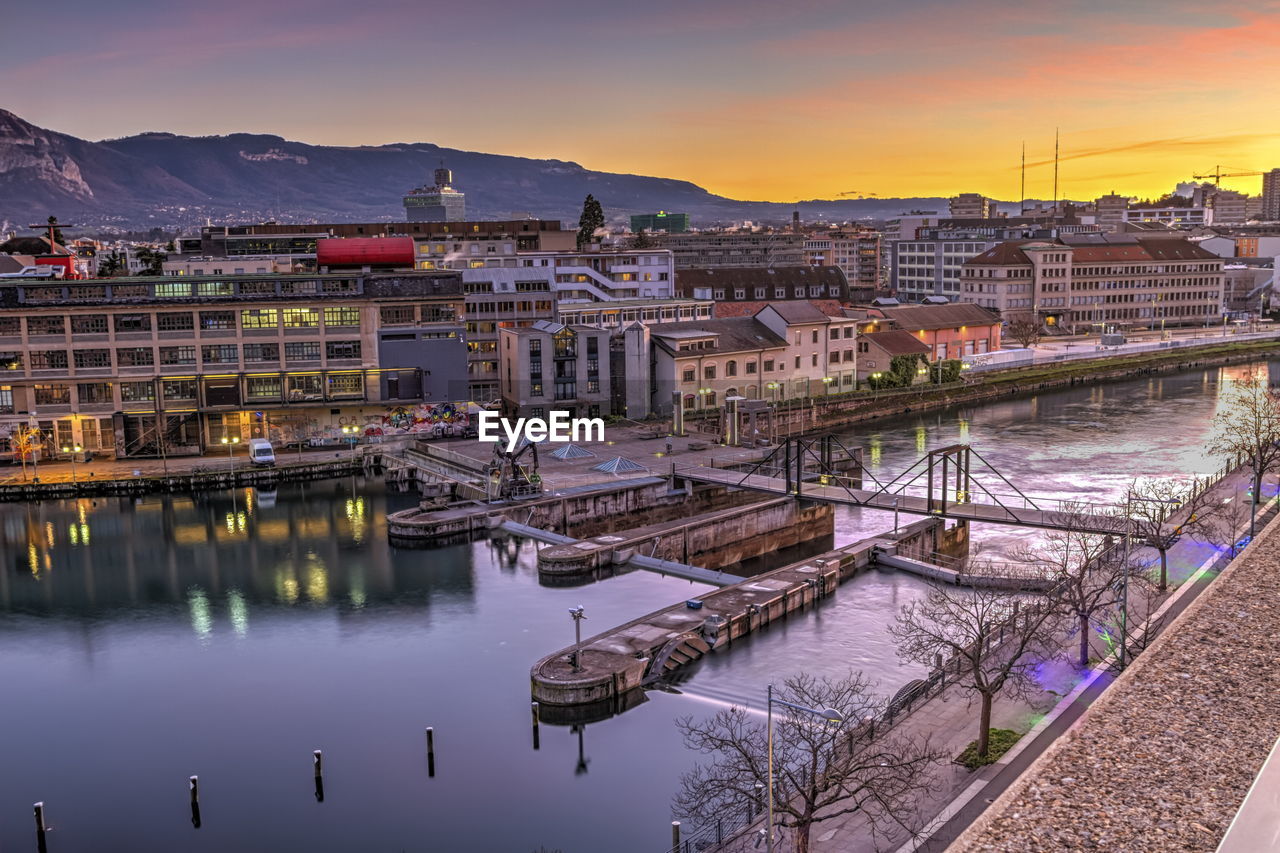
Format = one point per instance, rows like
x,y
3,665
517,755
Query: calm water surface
x,y
228,636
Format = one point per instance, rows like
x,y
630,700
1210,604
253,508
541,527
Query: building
x,y
930,265
1168,215
515,291
1247,286
102,363
786,351
855,252
958,330
439,202
734,248
551,366
1227,207
1125,280
1110,211
877,350
239,265
729,287
1271,196
671,223
972,206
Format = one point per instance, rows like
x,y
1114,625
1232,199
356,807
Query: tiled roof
x,y
734,334
750,309
799,312
1092,248
898,342
752,277
916,317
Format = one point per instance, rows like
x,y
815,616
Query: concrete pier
x,y
626,657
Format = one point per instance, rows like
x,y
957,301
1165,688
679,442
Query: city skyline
x,y
736,99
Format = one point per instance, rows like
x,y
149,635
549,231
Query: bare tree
x,y
821,769
1247,428
1025,330
1223,523
1088,572
1161,511
965,624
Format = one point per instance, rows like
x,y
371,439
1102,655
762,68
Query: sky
x,y
775,101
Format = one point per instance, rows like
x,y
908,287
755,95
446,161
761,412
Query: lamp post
x,y
829,715
577,615
352,434
826,381
72,450
231,442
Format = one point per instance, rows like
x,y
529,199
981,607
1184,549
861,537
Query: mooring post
x,y
535,725
431,752
675,836
40,827
194,784
317,760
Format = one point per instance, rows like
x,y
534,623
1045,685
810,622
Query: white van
x,y
260,452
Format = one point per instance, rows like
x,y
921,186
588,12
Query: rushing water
x,y
144,641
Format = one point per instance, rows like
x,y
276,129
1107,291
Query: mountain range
x,y
170,181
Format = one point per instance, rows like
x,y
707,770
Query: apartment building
x,y
172,365
1180,216
931,265
1124,280
972,206
855,252
957,330
734,248
520,290
1271,196
738,291
786,351
550,366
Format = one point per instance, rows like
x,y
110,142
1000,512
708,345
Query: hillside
x,y
161,179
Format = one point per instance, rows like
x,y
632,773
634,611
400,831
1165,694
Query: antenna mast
x,y
1022,189
1055,171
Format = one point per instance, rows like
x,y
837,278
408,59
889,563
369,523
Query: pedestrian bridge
x,y
944,483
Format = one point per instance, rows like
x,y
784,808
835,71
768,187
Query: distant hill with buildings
x,y
161,179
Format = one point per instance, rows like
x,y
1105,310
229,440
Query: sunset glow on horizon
x,y
751,100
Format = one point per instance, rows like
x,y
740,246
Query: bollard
x,y
40,827
431,752
675,835
317,759
194,784
536,743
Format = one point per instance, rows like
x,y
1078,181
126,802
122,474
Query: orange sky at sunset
x,y
752,99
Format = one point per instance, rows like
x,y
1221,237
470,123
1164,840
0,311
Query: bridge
x,y
950,482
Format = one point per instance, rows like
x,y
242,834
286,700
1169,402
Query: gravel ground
x,y
1163,760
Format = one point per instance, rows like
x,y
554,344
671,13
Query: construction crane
x,y
1217,174
52,226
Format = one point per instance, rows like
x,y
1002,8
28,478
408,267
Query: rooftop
x,y
898,342
733,334
952,316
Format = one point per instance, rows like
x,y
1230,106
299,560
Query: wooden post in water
x,y
675,836
40,827
535,725
431,752
317,760
194,784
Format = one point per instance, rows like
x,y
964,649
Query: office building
x,y
855,251
734,248
972,206
671,223
1271,196
439,202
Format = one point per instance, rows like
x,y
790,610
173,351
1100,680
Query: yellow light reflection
x,y
201,616
317,582
875,451
33,561
922,439
287,586
239,612
964,430
48,533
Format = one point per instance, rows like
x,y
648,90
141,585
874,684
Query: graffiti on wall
x,y
425,417
424,420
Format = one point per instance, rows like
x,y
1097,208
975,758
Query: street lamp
x,y
231,442
829,715
578,616
72,450
353,438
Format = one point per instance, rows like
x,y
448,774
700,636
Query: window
x,y
302,350
217,320
690,375
177,355
170,290
135,357
94,392
214,288
263,387
89,358
6,400
833,357
133,322
751,368
305,387
342,349
710,371
46,326
10,360
815,336
731,369
344,285
259,318
261,352
219,354
88,324
394,315
10,326
52,395
815,359
346,384
301,318
835,334
175,322
135,392
178,389
342,316
768,365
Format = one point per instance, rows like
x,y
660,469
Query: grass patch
x,y
1001,741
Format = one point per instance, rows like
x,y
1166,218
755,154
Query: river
x,y
143,641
